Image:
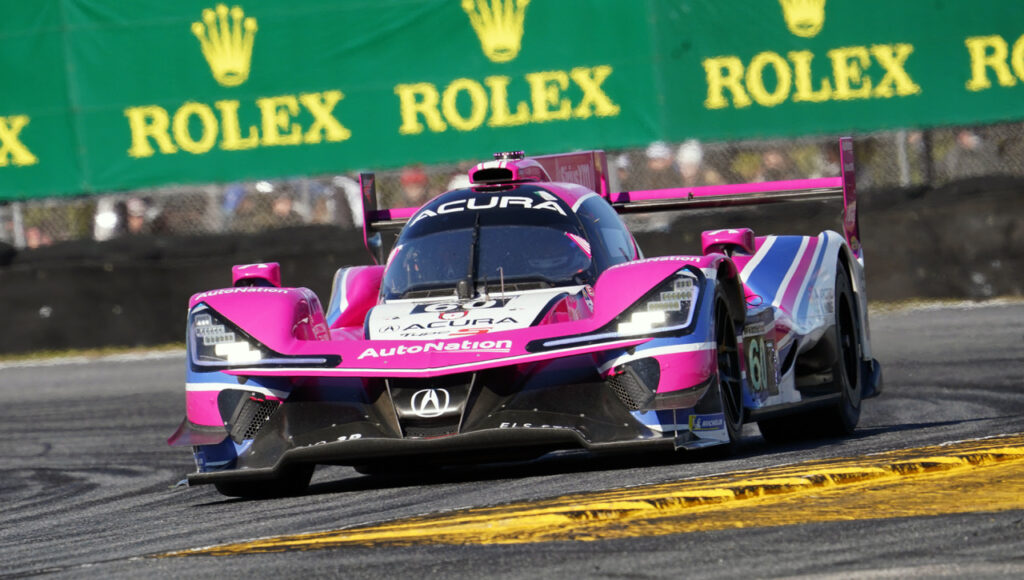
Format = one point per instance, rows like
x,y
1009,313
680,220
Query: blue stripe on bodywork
x,y
806,301
768,275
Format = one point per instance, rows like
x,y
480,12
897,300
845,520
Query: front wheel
x,y
730,384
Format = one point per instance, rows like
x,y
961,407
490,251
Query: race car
x,y
517,317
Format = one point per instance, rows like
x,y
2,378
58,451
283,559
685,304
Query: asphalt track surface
x,y
88,486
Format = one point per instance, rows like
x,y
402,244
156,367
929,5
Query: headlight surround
x,y
213,342
668,307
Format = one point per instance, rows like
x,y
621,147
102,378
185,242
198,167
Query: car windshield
x,y
513,257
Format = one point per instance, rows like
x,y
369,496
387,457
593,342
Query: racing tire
x,y
292,481
730,383
839,419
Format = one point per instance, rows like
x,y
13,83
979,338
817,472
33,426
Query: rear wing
x,y
590,169
377,221
711,196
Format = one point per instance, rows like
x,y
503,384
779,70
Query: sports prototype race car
x,y
517,317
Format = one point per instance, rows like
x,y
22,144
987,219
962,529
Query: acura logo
x,y
429,403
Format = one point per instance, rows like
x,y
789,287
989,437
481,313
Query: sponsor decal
x,y
588,296
425,106
481,202
459,323
770,79
494,346
429,403
12,150
470,331
762,364
243,290
452,315
711,422
453,306
804,17
516,425
226,38
498,25
469,326
555,95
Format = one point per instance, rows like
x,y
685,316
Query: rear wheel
x,y
292,481
838,419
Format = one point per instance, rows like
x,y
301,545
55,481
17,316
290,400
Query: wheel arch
x,y
855,271
729,281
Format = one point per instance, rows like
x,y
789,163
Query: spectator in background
x,y
35,237
827,164
252,214
622,167
775,166
692,171
283,209
971,156
414,186
460,177
136,220
233,196
659,171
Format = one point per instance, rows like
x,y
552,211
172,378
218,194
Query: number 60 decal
x,y
761,365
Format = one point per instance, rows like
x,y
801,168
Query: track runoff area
x,y
981,475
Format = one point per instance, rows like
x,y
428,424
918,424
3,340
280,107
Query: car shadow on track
x,y
552,464
579,462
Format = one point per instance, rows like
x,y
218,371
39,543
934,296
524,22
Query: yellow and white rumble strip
x,y
983,475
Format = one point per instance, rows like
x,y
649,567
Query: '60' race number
x,y
761,364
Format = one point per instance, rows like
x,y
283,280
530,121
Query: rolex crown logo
x,y
804,17
498,25
226,37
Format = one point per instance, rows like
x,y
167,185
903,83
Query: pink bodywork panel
x,y
269,271
686,369
717,240
271,314
362,285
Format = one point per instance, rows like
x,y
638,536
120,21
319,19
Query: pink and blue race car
x,y
517,317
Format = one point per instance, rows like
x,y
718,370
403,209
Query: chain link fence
x,y
885,160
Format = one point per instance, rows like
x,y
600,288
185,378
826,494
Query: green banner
x,y
104,95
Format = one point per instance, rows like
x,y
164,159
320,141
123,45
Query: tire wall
x,y
962,241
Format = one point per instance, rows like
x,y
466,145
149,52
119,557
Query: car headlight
x,y
669,306
215,342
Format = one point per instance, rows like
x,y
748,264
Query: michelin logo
x,y
498,346
707,422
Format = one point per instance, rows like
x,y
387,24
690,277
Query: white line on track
x,y
84,359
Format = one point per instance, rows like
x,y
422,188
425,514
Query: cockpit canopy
x,y
511,238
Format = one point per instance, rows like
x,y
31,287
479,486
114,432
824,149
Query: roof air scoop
x,y
508,167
